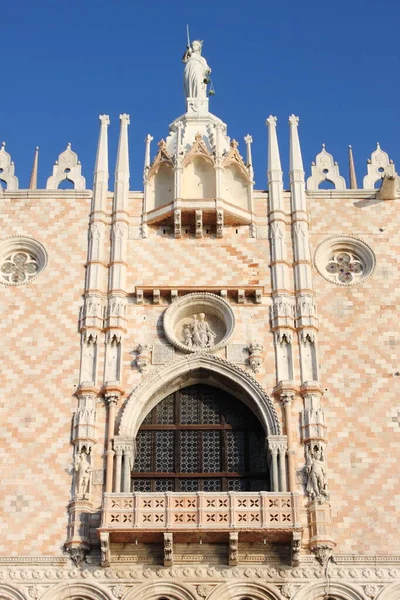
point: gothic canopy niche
(199, 322)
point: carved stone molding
(148, 393)
(199, 322)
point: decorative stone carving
(7, 170)
(168, 549)
(296, 547)
(77, 554)
(233, 549)
(220, 223)
(143, 358)
(378, 166)
(163, 157)
(84, 421)
(199, 223)
(105, 549)
(234, 157)
(316, 487)
(325, 169)
(21, 259)
(313, 418)
(255, 359)
(196, 72)
(323, 553)
(177, 224)
(204, 590)
(67, 167)
(344, 260)
(162, 354)
(199, 322)
(237, 353)
(83, 470)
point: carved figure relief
(199, 322)
(316, 473)
(198, 333)
(82, 471)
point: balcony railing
(171, 511)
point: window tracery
(200, 439)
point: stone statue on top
(196, 75)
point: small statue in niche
(316, 474)
(199, 333)
(82, 470)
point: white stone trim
(8, 592)
(198, 302)
(345, 243)
(74, 589)
(25, 244)
(337, 590)
(187, 371)
(232, 589)
(161, 589)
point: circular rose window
(200, 322)
(21, 260)
(344, 260)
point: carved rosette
(199, 322)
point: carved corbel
(168, 549)
(220, 223)
(199, 223)
(296, 547)
(323, 553)
(78, 554)
(177, 224)
(105, 549)
(233, 549)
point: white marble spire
(100, 178)
(34, 172)
(296, 161)
(121, 188)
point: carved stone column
(278, 447)
(111, 399)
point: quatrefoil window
(344, 260)
(19, 267)
(21, 260)
(345, 266)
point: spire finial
(352, 171)
(34, 172)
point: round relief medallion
(21, 260)
(199, 322)
(344, 260)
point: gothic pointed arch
(198, 368)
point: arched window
(200, 438)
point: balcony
(190, 517)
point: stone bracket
(233, 549)
(105, 549)
(168, 549)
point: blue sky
(334, 64)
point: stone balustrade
(202, 511)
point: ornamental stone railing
(201, 511)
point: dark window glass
(200, 439)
